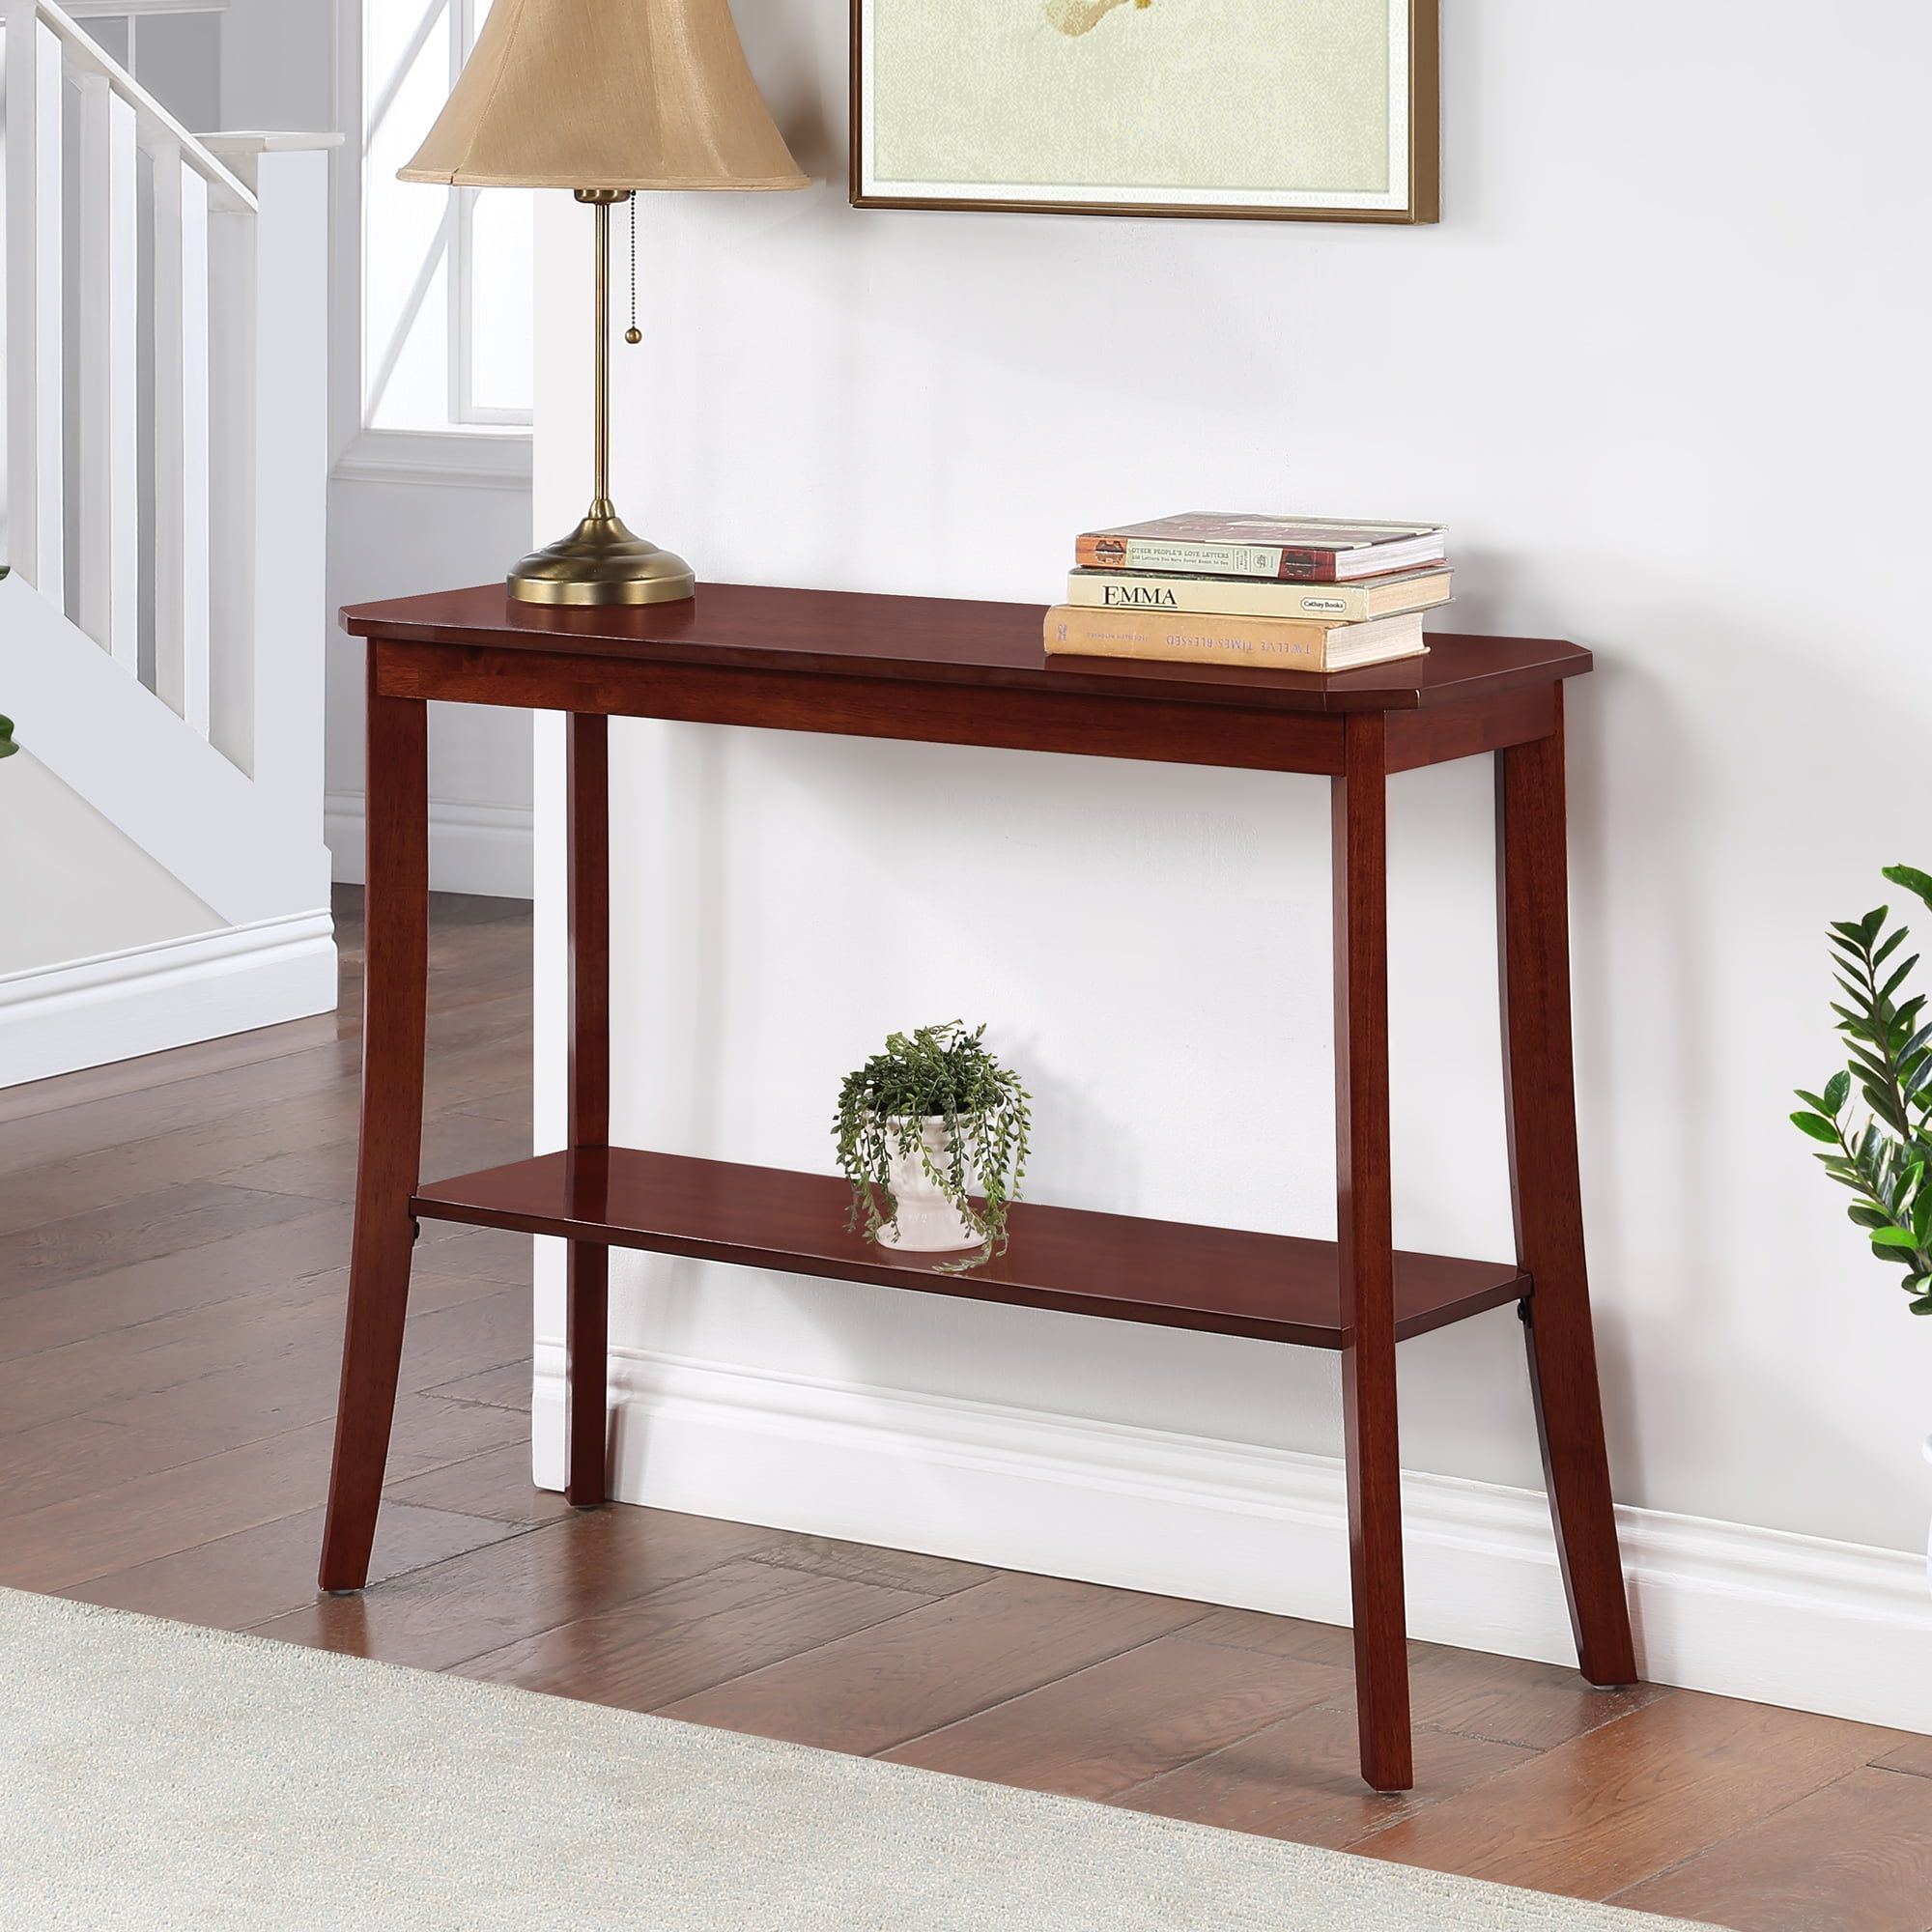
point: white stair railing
(213, 471)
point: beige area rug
(157, 1776)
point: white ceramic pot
(1928, 1538)
(927, 1223)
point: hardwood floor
(173, 1234)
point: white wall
(1659, 369)
(179, 61)
(89, 887)
(275, 64)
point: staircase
(162, 872)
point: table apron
(1184, 733)
(1413, 739)
(1113, 726)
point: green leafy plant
(943, 1071)
(1885, 1160)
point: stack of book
(1280, 593)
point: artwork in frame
(1312, 110)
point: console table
(945, 672)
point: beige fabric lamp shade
(610, 94)
(604, 97)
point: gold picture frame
(892, 80)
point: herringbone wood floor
(173, 1234)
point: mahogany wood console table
(943, 671)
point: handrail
(154, 126)
(82, 10)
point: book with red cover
(1229, 543)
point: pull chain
(634, 334)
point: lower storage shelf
(1275, 1286)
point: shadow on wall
(778, 43)
(1672, 986)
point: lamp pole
(602, 561)
(602, 201)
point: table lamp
(605, 97)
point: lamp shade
(606, 94)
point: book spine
(1273, 643)
(1319, 604)
(1103, 552)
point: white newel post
(273, 443)
(36, 458)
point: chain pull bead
(634, 334)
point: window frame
(495, 455)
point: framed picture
(1295, 110)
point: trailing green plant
(1886, 1159)
(944, 1072)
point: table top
(942, 640)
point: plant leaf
(1837, 1089)
(1912, 879)
(1816, 1126)
(1869, 1065)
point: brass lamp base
(601, 562)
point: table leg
(1540, 1085)
(588, 1292)
(394, 1008)
(1367, 1254)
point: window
(446, 271)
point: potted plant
(7, 745)
(1884, 1158)
(932, 1134)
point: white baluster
(36, 532)
(181, 436)
(234, 402)
(107, 599)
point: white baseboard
(438, 459)
(485, 849)
(119, 1006)
(1757, 1613)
